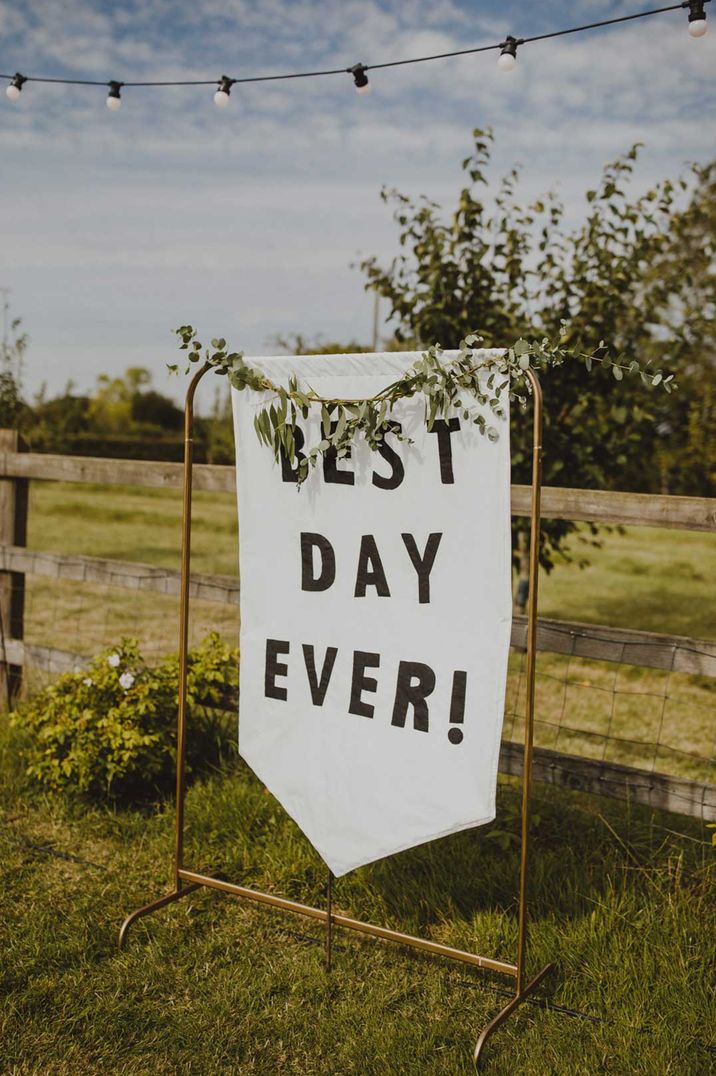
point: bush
(109, 732)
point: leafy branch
(467, 384)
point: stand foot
(504, 1013)
(176, 894)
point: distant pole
(376, 321)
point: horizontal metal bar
(351, 924)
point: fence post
(13, 531)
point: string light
(360, 78)
(697, 18)
(221, 97)
(506, 60)
(13, 90)
(114, 99)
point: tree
(298, 344)
(515, 270)
(12, 351)
(152, 408)
(684, 276)
(111, 404)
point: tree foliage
(12, 352)
(121, 416)
(475, 384)
(637, 273)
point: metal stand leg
(504, 1013)
(524, 989)
(181, 888)
(329, 921)
(177, 894)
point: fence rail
(675, 653)
(574, 639)
(597, 506)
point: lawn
(213, 985)
(622, 899)
(643, 718)
(666, 572)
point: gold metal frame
(186, 881)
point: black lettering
(327, 576)
(275, 668)
(289, 473)
(457, 705)
(409, 694)
(319, 687)
(444, 429)
(360, 682)
(370, 569)
(423, 565)
(331, 472)
(397, 470)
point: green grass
(213, 985)
(646, 578)
(128, 523)
(663, 573)
(123, 523)
(621, 899)
(667, 573)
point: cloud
(117, 226)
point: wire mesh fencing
(620, 699)
(640, 705)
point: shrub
(109, 732)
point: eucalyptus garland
(463, 383)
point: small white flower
(126, 680)
(88, 682)
(113, 660)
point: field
(622, 899)
(644, 718)
(666, 571)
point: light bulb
(221, 97)
(15, 87)
(360, 78)
(508, 54)
(114, 101)
(697, 17)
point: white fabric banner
(375, 619)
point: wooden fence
(644, 649)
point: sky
(247, 222)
